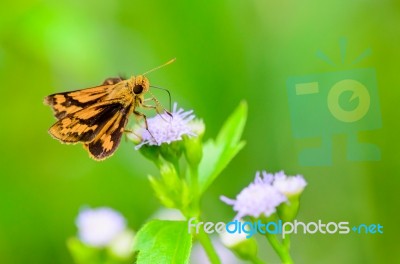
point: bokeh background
(226, 51)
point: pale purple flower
(98, 227)
(289, 185)
(259, 198)
(231, 240)
(265, 194)
(122, 244)
(166, 129)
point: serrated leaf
(217, 154)
(162, 241)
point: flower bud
(244, 248)
(193, 151)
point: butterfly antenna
(156, 68)
(169, 95)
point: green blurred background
(226, 51)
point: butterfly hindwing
(107, 141)
(85, 124)
(113, 80)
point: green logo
(342, 102)
(358, 90)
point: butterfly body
(97, 116)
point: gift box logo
(340, 102)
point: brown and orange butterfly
(97, 116)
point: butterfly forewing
(66, 103)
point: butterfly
(97, 116)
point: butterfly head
(140, 85)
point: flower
(98, 227)
(238, 242)
(289, 185)
(168, 214)
(259, 198)
(267, 194)
(164, 128)
(198, 127)
(122, 244)
(231, 240)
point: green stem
(205, 241)
(194, 206)
(194, 211)
(286, 242)
(195, 186)
(282, 252)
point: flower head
(122, 244)
(289, 185)
(240, 243)
(98, 227)
(231, 240)
(259, 198)
(164, 128)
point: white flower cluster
(265, 194)
(105, 227)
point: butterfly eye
(137, 89)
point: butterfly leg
(141, 115)
(156, 107)
(158, 111)
(130, 131)
(158, 104)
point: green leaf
(163, 242)
(172, 191)
(218, 154)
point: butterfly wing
(113, 80)
(67, 103)
(85, 124)
(107, 141)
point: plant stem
(286, 242)
(194, 211)
(208, 247)
(282, 252)
(194, 207)
(195, 186)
